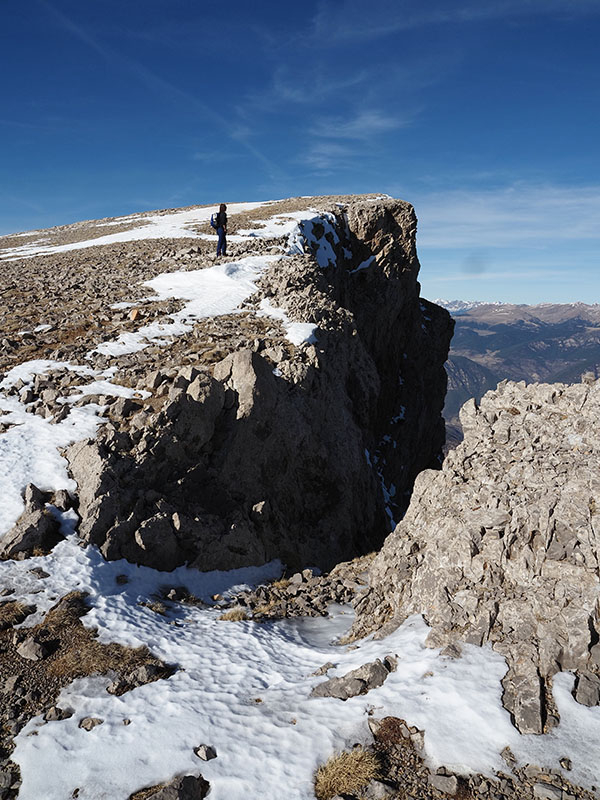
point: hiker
(220, 223)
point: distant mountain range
(540, 343)
(460, 306)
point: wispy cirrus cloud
(349, 20)
(324, 156)
(506, 275)
(300, 87)
(339, 142)
(519, 214)
(159, 85)
(523, 243)
(361, 126)
(15, 123)
(315, 84)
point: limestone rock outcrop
(295, 451)
(503, 544)
(36, 530)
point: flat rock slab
(358, 681)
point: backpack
(213, 220)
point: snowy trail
(209, 292)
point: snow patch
(310, 235)
(297, 333)
(209, 292)
(365, 265)
(171, 225)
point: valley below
(492, 342)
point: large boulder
(503, 544)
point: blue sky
(483, 113)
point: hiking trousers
(222, 245)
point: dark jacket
(221, 219)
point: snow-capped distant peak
(456, 306)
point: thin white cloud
(525, 243)
(297, 88)
(314, 85)
(507, 276)
(15, 123)
(327, 155)
(337, 142)
(361, 126)
(519, 214)
(340, 20)
(13, 200)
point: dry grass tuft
(282, 583)
(13, 613)
(234, 615)
(154, 605)
(80, 653)
(346, 773)
(264, 609)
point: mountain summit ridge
(282, 399)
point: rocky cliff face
(270, 449)
(503, 544)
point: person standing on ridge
(221, 226)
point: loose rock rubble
(357, 681)
(36, 531)
(303, 594)
(502, 545)
(405, 774)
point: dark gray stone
(587, 689)
(206, 752)
(189, 787)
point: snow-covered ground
(244, 688)
(241, 687)
(169, 225)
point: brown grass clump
(80, 653)
(234, 615)
(154, 605)
(264, 609)
(282, 583)
(13, 613)
(346, 773)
